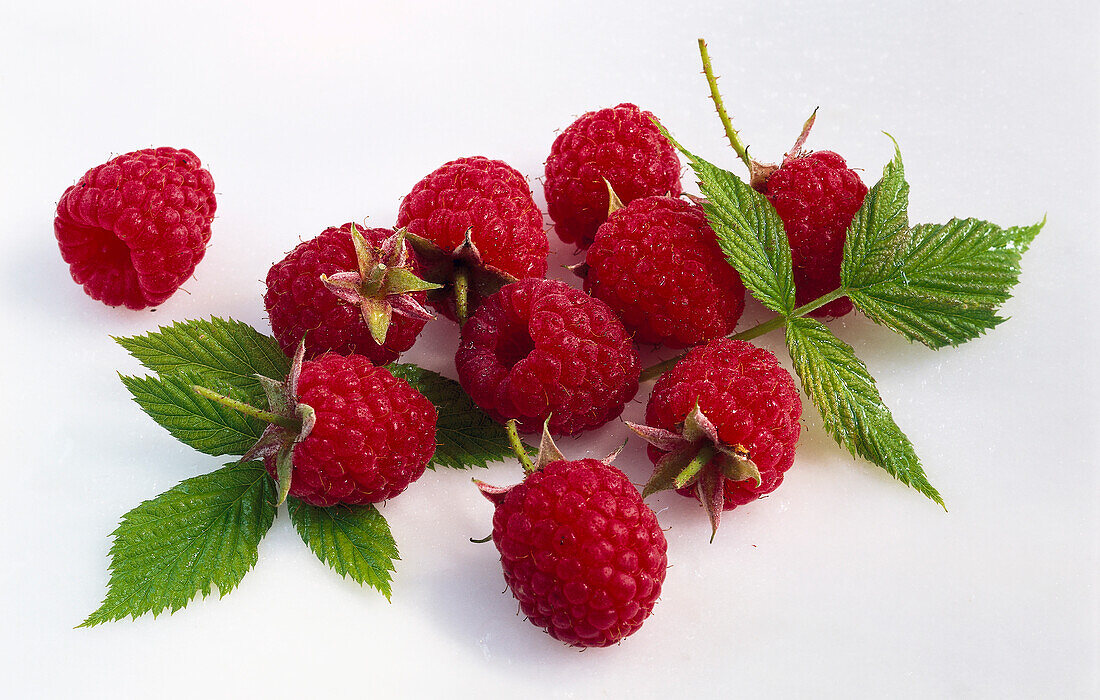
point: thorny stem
(462, 294)
(247, 409)
(731, 133)
(518, 447)
(756, 331)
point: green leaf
(200, 534)
(937, 284)
(194, 420)
(949, 283)
(217, 350)
(851, 408)
(354, 540)
(749, 232)
(465, 435)
(879, 232)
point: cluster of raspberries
(581, 552)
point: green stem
(654, 371)
(701, 459)
(819, 302)
(518, 447)
(248, 410)
(731, 133)
(462, 294)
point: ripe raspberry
(133, 229)
(581, 552)
(621, 145)
(300, 303)
(817, 196)
(538, 349)
(731, 406)
(657, 264)
(492, 202)
(374, 433)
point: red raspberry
(490, 200)
(300, 304)
(621, 145)
(133, 229)
(374, 433)
(817, 195)
(657, 264)
(538, 349)
(748, 418)
(581, 552)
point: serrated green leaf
(354, 540)
(851, 408)
(879, 232)
(465, 435)
(194, 420)
(200, 534)
(936, 284)
(217, 350)
(949, 283)
(749, 232)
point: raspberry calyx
(460, 278)
(383, 284)
(696, 456)
(289, 421)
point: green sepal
(377, 314)
(668, 468)
(399, 280)
(738, 468)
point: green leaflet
(195, 421)
(465, 435)
(749, 232)
(937, 284)
(851, 408)
(950, 282)
(200, 534)
(354, 540)
(879, 231)
(217, 350)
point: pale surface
(843, 583)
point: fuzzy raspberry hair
(581, 552)
(133, 229)
(374, 433)
(540, 348)
(816, 195)
(657, 264)
(750, 399)
(620, 144)
(298, 303)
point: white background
(843, 583)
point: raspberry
(538, 349)
(374, 433)
(581, 552)
(657, 264)
(817, 196)
(133, 229)
(621, 145)
(300, 304)
(490, 201)
(732, 407)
